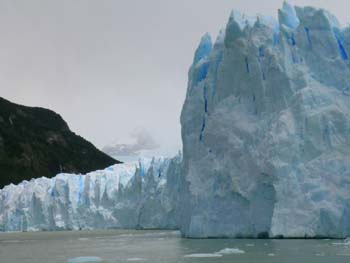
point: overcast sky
(111, 67)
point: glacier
(266, 145)
(133, 195)
(266, 129)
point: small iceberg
(203, 255)
(222, 252)
(228, 251)
(84, 259)
(135, 259)
(346, 242)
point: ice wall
(266, 129)
(266, 145)
(122, 196)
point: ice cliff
(121, 196)
(266, 145)
(266, 129)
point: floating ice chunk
(338, 243)
(11, 241)
(271, 254)
(135, 259)
(203, 255)
(228, 251)
(346, 242)
(320, 254)
(84, 259)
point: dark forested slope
(36, 142)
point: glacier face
(266, 145)
(266, 129)
(121, 196)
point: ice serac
(266, 129)
(122, 196)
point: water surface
(161, 247)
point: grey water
(161, 247)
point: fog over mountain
(139, 141)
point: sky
(115, 68)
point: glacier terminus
(266, 129)
(266, 145)
(130, 196)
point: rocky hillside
(36, 142)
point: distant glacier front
(266, 145)
(130, 196)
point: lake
(161, 247)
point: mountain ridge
(36, 142)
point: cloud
(141, 140)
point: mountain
(36, 142)
(266, 129)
